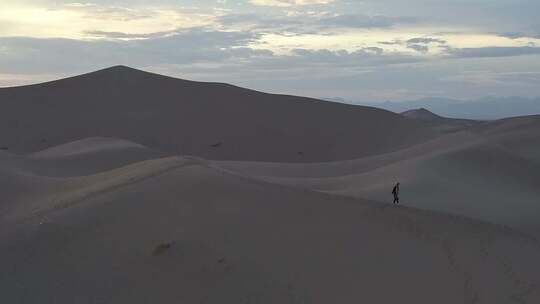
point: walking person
(395, 192)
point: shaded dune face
(182, 229)
(210, 120)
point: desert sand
(183, 192)
(489, 172)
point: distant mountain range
(487, 108)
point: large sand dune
(211, 120)
(175, 229)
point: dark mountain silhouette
(187, 117)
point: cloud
(364, 21)
(418, 47)
(289, 3)
(425, 40)
(122, 35)
(375, 50)
(368, 57)
(418, 44)
(487, 78)
(422, 44)
(116, 13)
(308, 23)
(73, 20)
(518, 35)
(483, 52)
(394, 42)
(253, 21)
(38, 55)
(199, 49)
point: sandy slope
(228, 238)
(210, 120)
(83, 157)
(519, 135)
(84, 147)
(30, 180)
(490, 172)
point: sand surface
(179, 229)
(489, 172)
(110, 209)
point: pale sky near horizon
(372, 50)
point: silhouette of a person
(395, 192)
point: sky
(361, 51)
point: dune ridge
(85, 146)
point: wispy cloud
(290, 3)
(484, 52)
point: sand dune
(478, 173)
(83, 157)
(210, 120)
(176, 229)
(121, 186)
(85, 146)
(482, 182)
(519, 135)
(77, 168)
(440, 123)
(423, 114)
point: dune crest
(84, 146)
